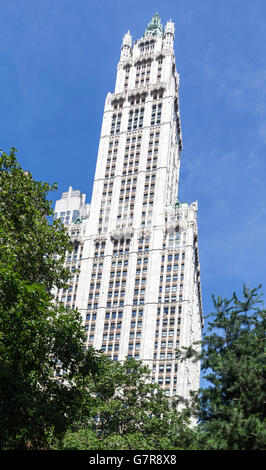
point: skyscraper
(136, 245)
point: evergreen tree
(231, 408)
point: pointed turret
(169, 34)
(127, 39)
(126, 46)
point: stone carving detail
(120, 233)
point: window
(156, 114)
(135, 119)
(75, 215)
(116, 122)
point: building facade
(135, 262)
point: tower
(135, 263)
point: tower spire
(155, 26)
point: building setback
(135, 262)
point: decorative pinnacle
(170, 27)
(155, 26)
(127, 39)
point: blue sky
(58, 61)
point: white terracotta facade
(135, 246)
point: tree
(35, 332)
(124, 410)
(231, 408)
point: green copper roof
(155, 27)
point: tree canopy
(35, 332)
(123, 409)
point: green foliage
(27, 241)
(231, 408)
(124, 410)
(35, 333)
